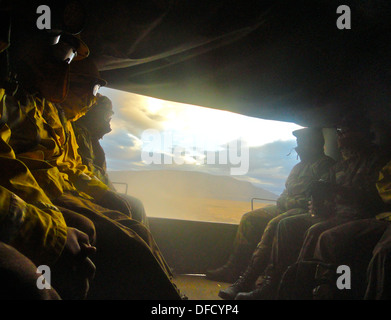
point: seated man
(32, 233)
(32, 230)
(89, 129)
(352, 184)
(44, 141)
(357, 244)
(313, 166)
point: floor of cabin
(197, 287)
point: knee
(134, 202)
(251, 215)
(315, 232)
(89, 229)
(325, 241)
(136, 206)
(276, 221)
(18, 277)
(245, 217)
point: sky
(153, 134)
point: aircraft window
(195, 163)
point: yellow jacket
(384, 183)
(45, 142)
(384, 188)
(28, 220)
(79, 174)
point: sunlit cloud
(269, 142)
(217, 125)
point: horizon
(192, 172)
(196, 196)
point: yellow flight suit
(28, 220)
(48, 147)
(45, 142)
(383, 186)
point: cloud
(268, 164)
(272, 163)
(130, 112)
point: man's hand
(78, 244)
(74, 269)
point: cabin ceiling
(280, 60)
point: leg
(137, 209)
(251, 228)
(259, 260)
(18, 277)
(283, 248)
(290, 236)
(268, 247)
(350, 241)
(128, 263)
(349, 244)
(378, 275)
(312, 235)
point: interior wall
(193, 246)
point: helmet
(309, 137)
(355, 123)
(87, 70)
(67, 19)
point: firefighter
(89, 129)
(351, 195)
(43, 141)
(261, 223)
(32, 230)
(360, 244)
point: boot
(266, 291)
(227, 273)
(236, 264)
(246, 282)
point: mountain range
(190, 195)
